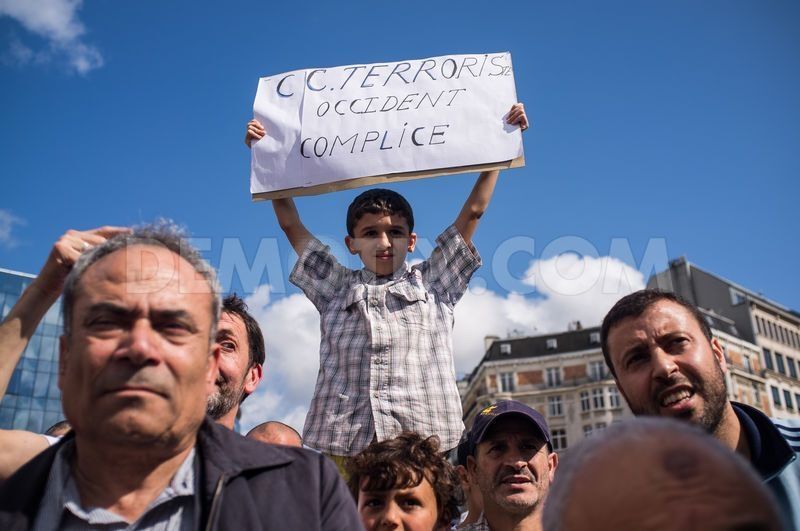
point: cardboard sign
(337, 128)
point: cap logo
(488, 409)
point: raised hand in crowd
(17, 446)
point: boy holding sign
(386, 360)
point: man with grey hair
(137, 360)
(242, 351)
(660, 475)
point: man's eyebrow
(172, 315)
(111, 308)
(225, 334)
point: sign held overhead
(336, 128)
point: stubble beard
(224, 400)
(714, 395)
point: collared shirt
(480, 525)
(386, 353)
(61, 509)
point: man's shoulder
(232, 451)
(790, 430)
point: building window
(587, 431)
(759, 325)
(597, 370)
(505, 348)
(553, 376)
(559, 439)
(768, 360)
(748, 365)
(797, 399)
(779, 363)
(792, 367)
(613, 397)
(737, 297)
(585, 404)
(757, 395)
(787, 399)
(554, 408)
(600, 426)
(598, 399)
(552, 343)
(594, 338)
(506, 382)
(776, 395)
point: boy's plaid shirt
(386, 353)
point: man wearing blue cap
(512, 461)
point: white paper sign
(327, 125)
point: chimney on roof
(574, 325)
(487, 342)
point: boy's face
(410, 509)
(382, 242)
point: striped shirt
(386, 353)
(61, 509)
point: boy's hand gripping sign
(336, 128)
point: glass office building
(32, 401)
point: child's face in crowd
(412, 509)
(382, 242)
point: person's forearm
(476, 204)
(290, 223)
(18, 327)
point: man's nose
(142, 342)
(664, 365)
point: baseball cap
(489, 414)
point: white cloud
(569, 288)
(291, 332)
(7, 222)
(57, 22)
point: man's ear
(472, 467)
(63, 355)
(351, 244)
(719, 354)
(252, 378)
(552, 464)
(412, 242)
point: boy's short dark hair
(634, 305)
(403, 462)
(378, 201)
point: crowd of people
(154, 366)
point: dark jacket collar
(769, 451)
(224, 452)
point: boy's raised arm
(478, 200)
(285, 209)
(289, 220)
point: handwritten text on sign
(332, 124)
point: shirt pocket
(407, 304)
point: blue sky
(670, 124)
